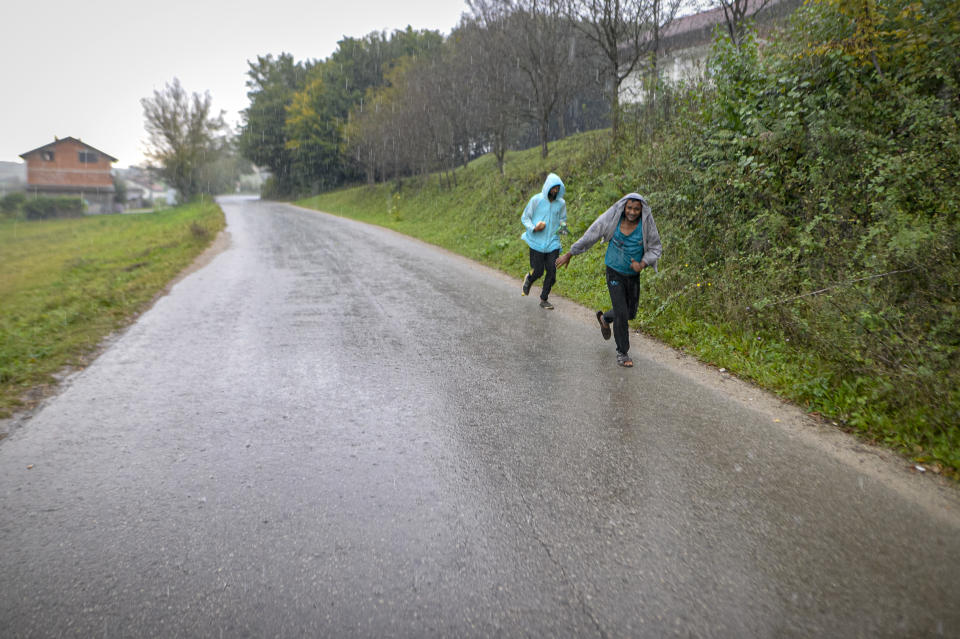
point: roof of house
(700, 25)
(711, 18)
(694, 22)
(68, 139)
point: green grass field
(65, 284)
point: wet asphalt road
(332, 430)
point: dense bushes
(44, 208)
(10, 204)
(820, 195)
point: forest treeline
(513, 74)
(807, 195)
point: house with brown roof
(70, 167)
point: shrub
(44, 208)
(815, 199)
(11, 203)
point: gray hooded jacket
(605, 226)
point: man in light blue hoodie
(544, 217)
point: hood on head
(622, 202)
(553, 180)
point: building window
(88, 157)
(47, 156)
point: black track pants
(540, 262)
(624, 296)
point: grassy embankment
(68, 283)
(686, 304)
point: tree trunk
(615, 111)
(500, 148)
(544, 128)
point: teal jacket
(606, 225)
(553, 214)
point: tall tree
(223, 175)
(736, 14)
(263, 137)
(493, 90)
(626, 32)
(183, 136)
(296, 121)
(537, 37)
(313, 138)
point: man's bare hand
(540, 226)
(563, 260)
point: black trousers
(624, 296)
(540, 262)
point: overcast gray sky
(79, 69)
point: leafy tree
(296, 121)
(263, 136)
(477, 52)
(11, 203)
(392, 130)
(224, 173)
(624, 31)
(540, 42)
(361, 63)
(313, 137)
(736, 14)
(183, 136)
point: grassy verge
(695, 303)
(67, 283)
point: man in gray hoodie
(633, 245)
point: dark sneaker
(604, 326)
(527, 283)
(547, 305)
(624, 360)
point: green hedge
(45, 208)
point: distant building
(69, 167)
(144, 182)
(686, 43)
(137, 196)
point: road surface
(334, 430)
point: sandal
(604, 326)
(624, 360)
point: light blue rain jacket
(552, 213)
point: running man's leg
(633, 295)
(537, 264)
(619, 314)
(551, 267)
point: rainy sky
(80, 69)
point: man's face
(552, 194)
(632, 210)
